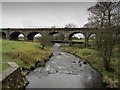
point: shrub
(45, 41)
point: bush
(45, 41)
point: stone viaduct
(29, 33)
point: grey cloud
(17, 14)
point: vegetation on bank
(104, 16)
(45, 41)
(81, 40)
(92, 56)
(25, 54)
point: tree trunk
(106, 64)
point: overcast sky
(34, 14)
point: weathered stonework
(12, 77)
(29, 33)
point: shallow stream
(64, 70)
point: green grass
(25, 54)
(78, 40)
(92, 56)
(21, 38)
(3, 66)
(90, 42)
(81, 40)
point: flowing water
(64, 70)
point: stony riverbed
(64, 70)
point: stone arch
(30, 36)
(15, 35)
(92, 34)
(91, 38)
(37, 37)
(3, 35)
(57, 35)
(75, 33)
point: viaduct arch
(3, 35)
(29, 33)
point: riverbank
(90, 55)
(12, 77)
(25, 54)
(28, 55)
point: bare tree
(103, 14)
(70, 25)
(90, 25)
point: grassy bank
(25, 54)
(91, 55)
(3, 66)
(82, 40)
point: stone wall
(13, 77)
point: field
(78, 40)
(82, 40)
(25, 54)
(92, 56)
(90, 41)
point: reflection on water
(64, 71)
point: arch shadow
(15, 35)
(3, 35)
(30, 36)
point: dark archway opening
(3, 35)
(33, 36)
(16, 36)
